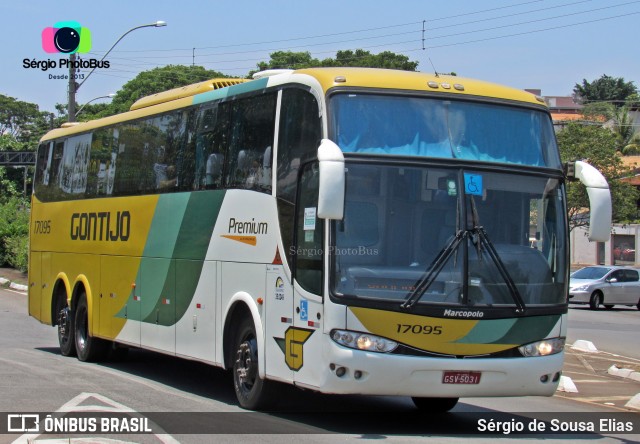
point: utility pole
(71, 107)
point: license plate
(461, 377)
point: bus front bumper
(359, 372)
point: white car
(605, 285)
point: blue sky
(544, 44)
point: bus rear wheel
(434, 405)
(66, 330)
(88, 348)
(253, 393)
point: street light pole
(110, 96)
(74, 87)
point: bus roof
(415, 81)
(328, 78)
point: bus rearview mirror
(599, 201)
(332, 181)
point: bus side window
(299, 137)
(251, 139)
(101, 146)
(309, 232)
(210, 146)
(41, 181)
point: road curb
(634, 403)
(567, 385)
(614, 370)
(18, 287)
(13, 285)
(585, 346)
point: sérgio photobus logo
(65, 38)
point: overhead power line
(145, 62)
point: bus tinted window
(298, 141)
(418, 126)
(251, 141)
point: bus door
(279, 323)
(308, 272)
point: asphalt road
(615, 331)
(34, 377)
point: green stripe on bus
(234, 90)
(510, 331)
(190, 249)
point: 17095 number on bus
(418, 329)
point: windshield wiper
(479, 238)
(483, 239)
(434, 269)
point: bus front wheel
(88, 348)
(434, 405)
(253, 393)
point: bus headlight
(543, 348)
(363, 341)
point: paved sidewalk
(589, 373)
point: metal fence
(17, 158)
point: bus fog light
(543, 348)
(544, 378)
(363, 341)
(340, 372)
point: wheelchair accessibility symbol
(473, 184)
(304, 310)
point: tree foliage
(147, 83)
(357, 58)
(14, 232)
(611, 89)
(21, 124)
(598, 146)
(619, 119)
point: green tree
(357, 58)
(619, 119)
(605, 89)
(22, 122)
(14, 232)
(362, 58)
(154, 81)
(288, 60)
(598, 146)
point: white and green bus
(348, 231)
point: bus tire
(252, 392)
(88, 348)
(434, 405)
(66, 330)
(595, 300)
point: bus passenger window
(252, 130)
(210, 146)
(310, 230)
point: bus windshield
(400, 221)
(431, 127)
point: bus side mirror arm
(332, 181)
(599, 198)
